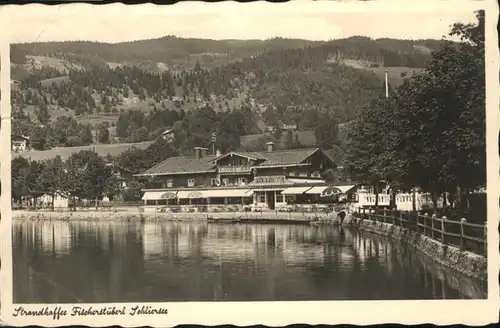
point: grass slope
(101, 149)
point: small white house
(60, 201)
(20, 143)
(168, 135)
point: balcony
(231, 170)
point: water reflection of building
(52, 237)
(291, 244)
(172, 239)
(55, 237)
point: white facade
(19, 145)
(404, 201)
(59, 201)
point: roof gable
(248, 155)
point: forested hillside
(78, 93)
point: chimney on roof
(218, 153)
(198, 152)
(204, 152)
(270, 146)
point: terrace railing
(460, 233)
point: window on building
(225, 181)
(191, 183)
(170, 183)
(242, 181)
(279, 197)
(261, 197)
(213, 182)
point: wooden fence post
(401, 219)
(416, 221)
(432, 225)
(462, 221)
(442, 229)
(384, 214)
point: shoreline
(464, 262)
(214, 217)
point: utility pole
(386, 85)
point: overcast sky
(322, 20)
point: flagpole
(214, 139)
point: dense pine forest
(79, 93)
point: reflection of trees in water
(92, 269)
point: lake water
(69, 262)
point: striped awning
(296, 190)
(227, 193)
(345, 189)
(190, 194)
(157, 195)
(318, 190)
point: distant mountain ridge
(312, 84)
(173, 50)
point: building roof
(190, 164)
(20, 137)
(167, 131)
(183, 165)
(275, 158)
(282, 157)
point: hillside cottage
(168, 135)
(20, 143)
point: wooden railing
(460, 233)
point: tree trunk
(96, 203)
(458, 197)
(414, 200)
(445, 203)
(52, 205)
(451, 199)
(74, 204)
(467, 200)
(392, 202)
(434, 201)
(375, 190)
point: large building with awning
(264, 180)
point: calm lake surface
(68, 262)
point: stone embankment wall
(467, 263)
(133, 214)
